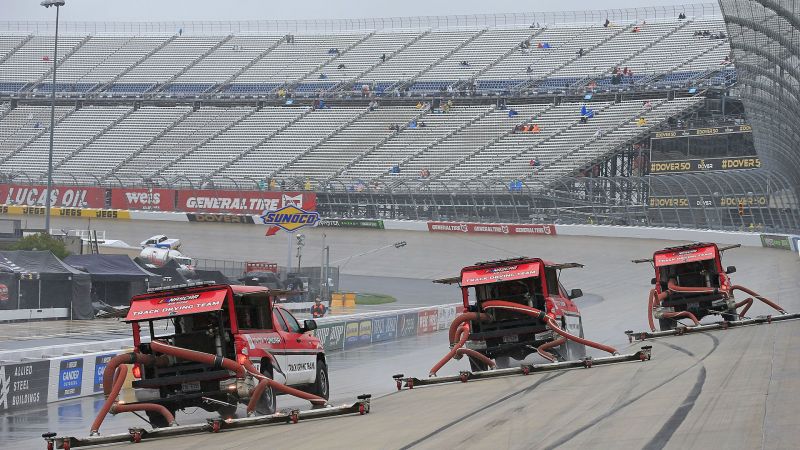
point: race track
(722, 389)
(735, 389)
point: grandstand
(430, 105)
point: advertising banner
(493, 228)
(331, 335)
(66, 196)
(70, 378)
(708, 131)
(23, 386)
(445, 317)
(242, 202)
(219, 218)
(100, 363)
(364, 332)
(708, 201)
(407, 325)
(143, 199)
(351, 223)
(384, 329)
(427, 321)
(776, 241)
(351, 335)
(704, 165)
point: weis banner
(243, 202)
(64, 196)
(143, 199)
(492, 228)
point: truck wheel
(266, 404)
(322, 384)
(157, 420)
(476, 365)
(502, 362)
(667, 324)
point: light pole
(58, 4)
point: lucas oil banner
(61, 196)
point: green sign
(331, 335)
(776, 241)
(351, 223)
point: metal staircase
(91, 140)
(127, 70)
(316, 145)
(147, 144)
(430, 66)
(260, 142)
(193, 63)
(495, 140)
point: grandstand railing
(624, 15)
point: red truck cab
(697, 266)
(231, 321)
(528, 281)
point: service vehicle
(531, 282)
(691, 283)
(236, 322)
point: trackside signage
(23, 386)
(492, 228)
(290, 218)
(61, 196)
(243, 202)
(143, 199)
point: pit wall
(35, 377)
(676, 234)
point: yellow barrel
(350, 300)
(337, 300)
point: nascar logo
(182, 298)
(290, 218)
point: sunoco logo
(291, 218)
(182, 298)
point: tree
(42, 241)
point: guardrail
(41, 375)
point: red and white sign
(143, 199)
(428, 322)
(493, 228)
(503, 273)
(685, 256)
(61, 196)
(176, 305)
(243, 202)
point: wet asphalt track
(732, 389)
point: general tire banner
(709, 131)
(143, 199)
(70, 378)
(351, 223)
(709, 201)
(219, 218)
(66, 196)
(384, 329)
(331, 335)
(242, 202)
(704, 165)
(23, 386)
(492, 228)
